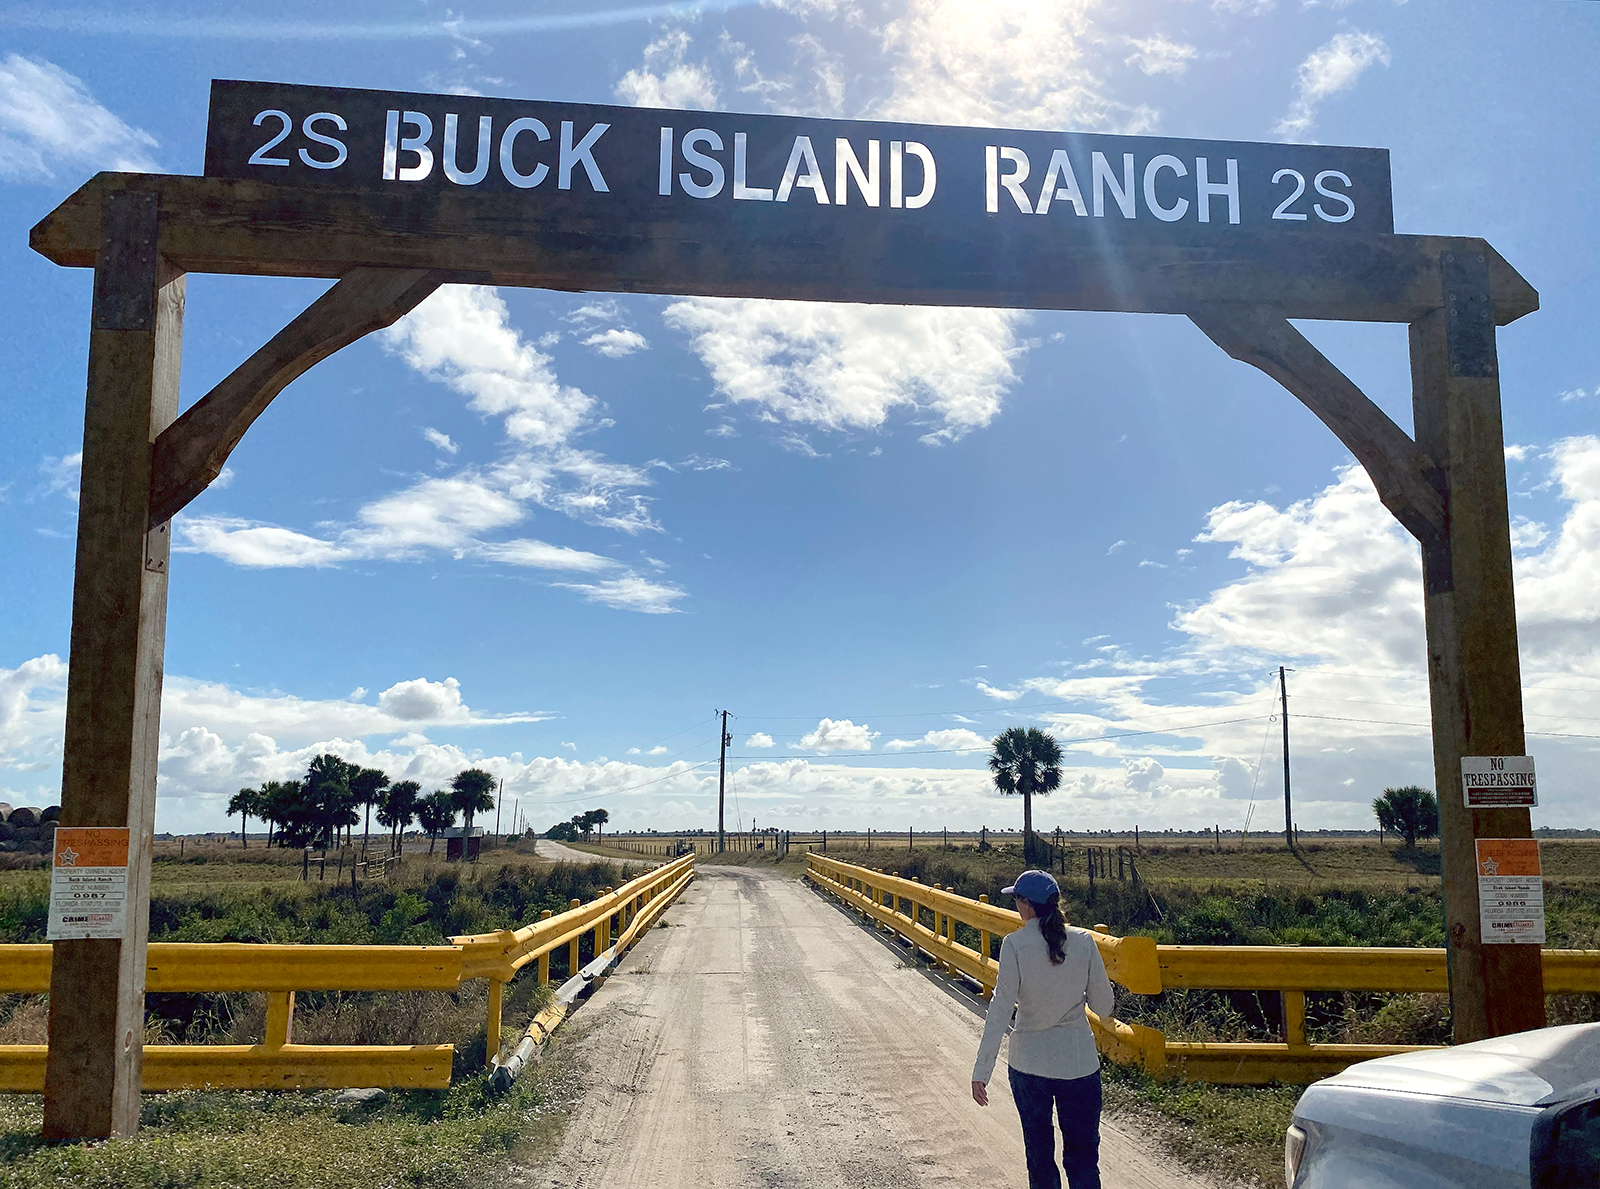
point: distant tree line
(581, 825)
(335, 796)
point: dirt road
(557, 852)
(765, 1039)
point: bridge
(768, 1038)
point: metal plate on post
(1469, 313)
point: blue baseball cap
(1034, 886)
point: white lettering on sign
(1143, 190)
(1498, 782)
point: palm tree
(436, 813)
(328, 785)
(245, 802)
(1410, 811)
(366, 787)
(1025, 760)
(399, 809)
(281, 803)
(472, 793)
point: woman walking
(1048, 973)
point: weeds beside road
(231, 1139)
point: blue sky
(548, 533)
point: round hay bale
(27, 815)
(52, 813)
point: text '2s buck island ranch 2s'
(885, 188)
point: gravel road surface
(766, 1039)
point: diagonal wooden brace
(191, 452)
(1406, 478)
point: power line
(629, 788)
(991, 709)
(894, 755)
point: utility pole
(1288, 816)
(499, 797)
(722, 779)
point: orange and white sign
(1510, 891)
(88, 883)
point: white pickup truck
(1516, 1112)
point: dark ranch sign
(924, 208)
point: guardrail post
(491, 1040)
(280, 1020)
(544, 958)
(1294, 1017)
(574, 961)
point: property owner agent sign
(949, 201)
(88, 883)
(1510, 891)
(1498, 782)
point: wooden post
(119, 623)
(1474, 675)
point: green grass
(1234, 1132)
(206, 1139)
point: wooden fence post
(1474, 672)
(119, 623)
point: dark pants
(1077, 1104)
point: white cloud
(441, 440)
(667, 78)
(1000, 695)
(616, 342)
(843, 735)
(1143, 774)
(1157, 55)
(252, 544)
(759, 739)
(631, 593)
(462, 336)
(63, 476)
(950, 739)
(847, 367)
(1333, 67)
(1573, 394)
(1029, 66)
(50, 121)
(543, 556)
(421, 700)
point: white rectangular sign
(1510, 891)
(1498, 782)
(88, 883)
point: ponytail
(1053, 927)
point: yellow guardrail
(281, 970)
(1145, 968)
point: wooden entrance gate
(371, 189)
